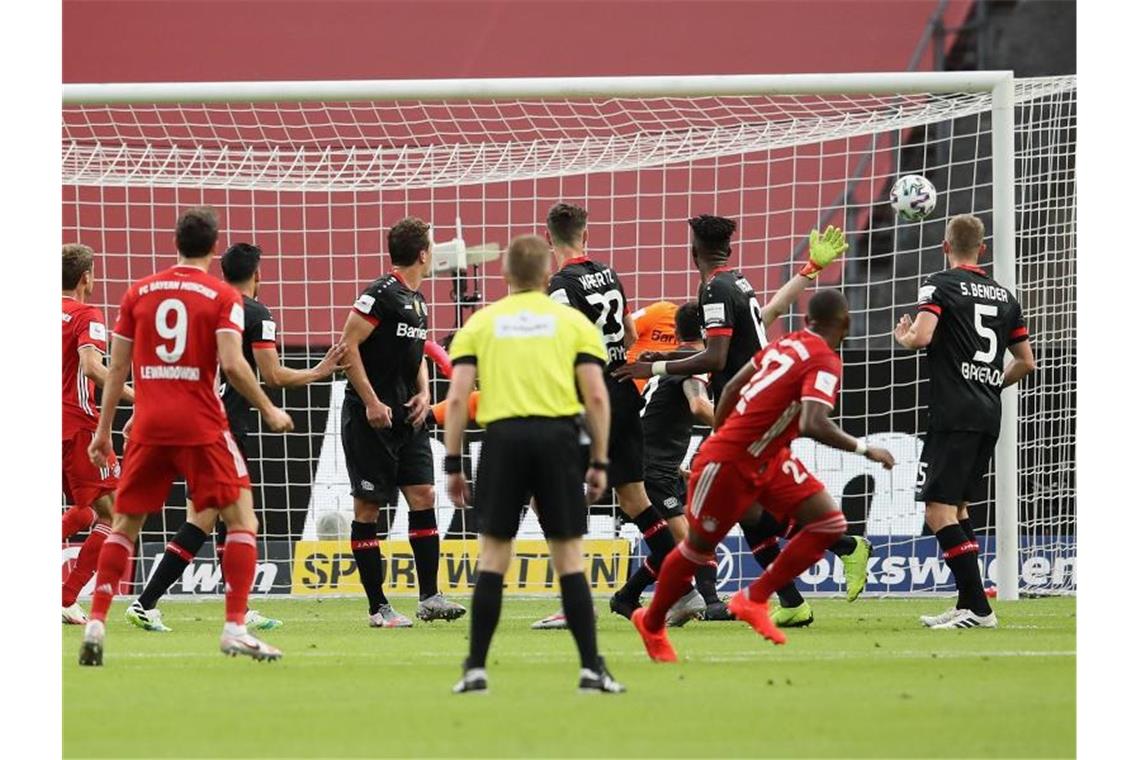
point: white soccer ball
(913, 197)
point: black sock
(968, 527)
(705, 576)
(761, 538)
(657, 535)
(578, 606)
(641, 579)
(181, 549)
(220, 549)
(961, 555)
(369, 563)
(423, 535)
(486, 604)
(843, 546)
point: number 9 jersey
(172, 318)
(729, 308)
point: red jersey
(83, 330)
(173, 318)
(766, 419)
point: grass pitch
(865, 680)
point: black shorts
(380, 460)
(525, 457)
(627, 445)
(666, 493)
(953, 466)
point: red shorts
(722, 489)
(83, 482)
(215, 473)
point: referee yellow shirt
(526, 347)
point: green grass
(864, 681)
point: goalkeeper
(735, 330)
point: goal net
(315, 181)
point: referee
(533, 357)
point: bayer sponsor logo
(725, 565)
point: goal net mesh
(316, 185)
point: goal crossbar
(532, 87)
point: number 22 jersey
(173, 319)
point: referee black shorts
(627, 445)
(666, 492)
(953, 466)
(381, 460)
(525, 457)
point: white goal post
(311, 165)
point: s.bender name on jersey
(984, 290)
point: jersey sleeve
(931, 297)
(231, 313)
(588, 342)
(125, 324)
(822, 380)
(90, 331)
(261, 326)
(716, 308)
(464, 346)
(368, 305)
(1018, 330)
(561, 289)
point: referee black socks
(369, 563)
(181, 549)
(486, 605)
(423, 535)
(961, 555)
(578, 607)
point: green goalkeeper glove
(822, 250)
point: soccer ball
(913, 197)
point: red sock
(77, 519)
(113, 559)
(803, 551)
(85, 563)
(674, 580)
(238, 566)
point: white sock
(233, 629)
(94, 630)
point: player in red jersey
(174, 329)
(785, 391)
(89, 489)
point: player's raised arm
(240, 375)
(356, 330)
(917, 333)
(822, 251)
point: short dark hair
(240, 261)
(566, 222)
(827, 307)
(406, 239)
(77, 261)
(711, 235)
(688, 322)
(197, 232)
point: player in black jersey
(673, 404)
(241, 267)
(595, 290)
(386, 445)
(965, 321)
(735, 329)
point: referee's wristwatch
(597, 464)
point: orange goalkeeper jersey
(656, 331)
(439, 411)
